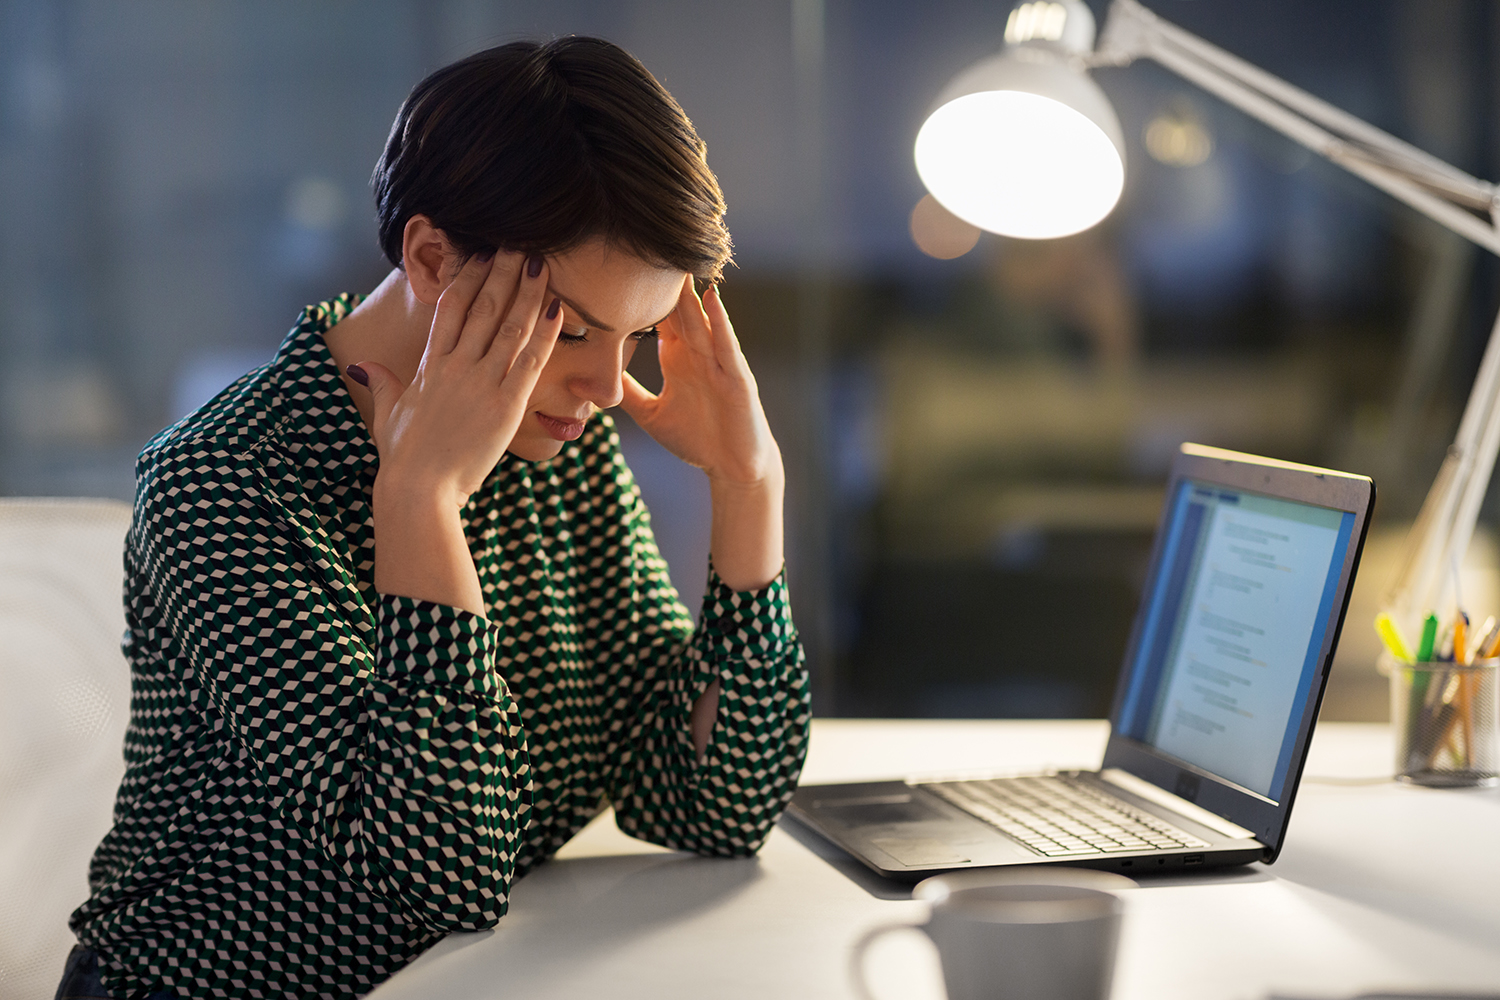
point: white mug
(1017, 941)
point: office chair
(64, 705)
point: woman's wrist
(764, 471)
(399, 488)
(771, 486)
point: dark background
(975, 446)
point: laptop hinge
(1176, 803)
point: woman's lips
(563, 430)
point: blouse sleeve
(727, 803)
(383, 735)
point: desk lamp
(1025, 144)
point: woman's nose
(600, 382)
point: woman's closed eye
(580, 335)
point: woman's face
(611, 301)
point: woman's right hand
(489, 341)
(440, 436)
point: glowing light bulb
(1020, 164)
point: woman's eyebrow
(582, 312)
(591, 321)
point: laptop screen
(1240, 605)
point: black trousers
(80, 979)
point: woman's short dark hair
(537, 148)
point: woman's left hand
(708, 412)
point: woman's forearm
(746, 539)
(420, 549)
(746, 546)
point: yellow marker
(1461, 639)
(1391, 636)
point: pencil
(1466, 714)
(1492, 647)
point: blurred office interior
(976, 432)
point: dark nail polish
(358, 374)
(553, 309)
(533, 265)
(485, 256)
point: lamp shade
(1023, 144)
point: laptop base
(906, 832)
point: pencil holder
(1447, 722)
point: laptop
(1214, 708)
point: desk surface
(1381, 888)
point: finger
(671, 327)
(520, 320)
(637, 400)
(726, 344)
(691, 321)
(453, 304)
(521, 375)
(382, 385)
(490, 307)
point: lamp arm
(1133, 31)
(1440, 191)
(1436, 189)
(1393, 180)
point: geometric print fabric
(322, 781)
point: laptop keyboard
(1059, 817)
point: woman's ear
(425, 255)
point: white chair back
(64, 705)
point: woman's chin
(535, 449)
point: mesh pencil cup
(1447, 722)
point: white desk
(1381, 888)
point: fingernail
(358, 374)
(552, 310)
(533, 265)
(484, 256)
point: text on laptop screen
(1235, 624)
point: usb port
(1193, 859)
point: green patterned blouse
(322, 781)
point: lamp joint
(1129, 30)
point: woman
(397, 624)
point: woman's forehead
(612, 288)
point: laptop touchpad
(877, 810)
(918, 851)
